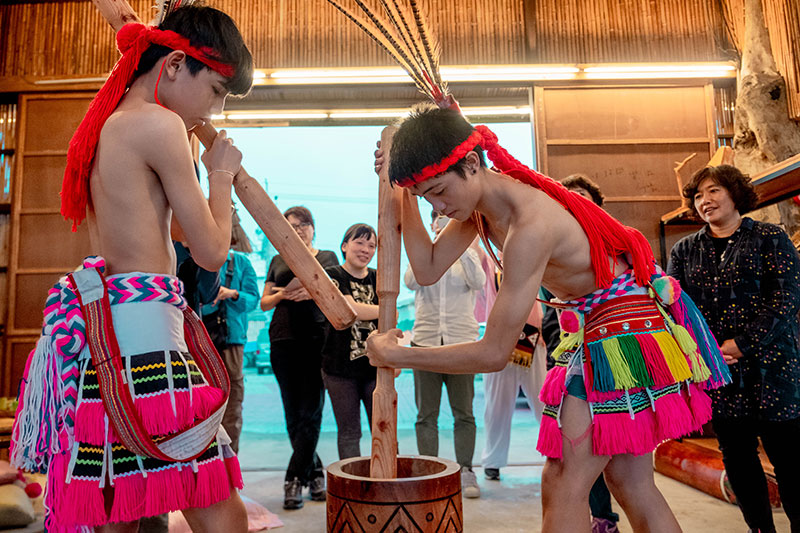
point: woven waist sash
(92, 291)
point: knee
(553, 480)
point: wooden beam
(778, 182)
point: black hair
(425, 137)
(582, 181)
(356, 231)
(206, 27)
(300, 212)
(738, 185)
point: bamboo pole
(266, 214)
(384, 399)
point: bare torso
(569, 272)
(129, 215)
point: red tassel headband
(434, 169)
(132, 41)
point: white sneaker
(469, 483)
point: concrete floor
(513, 504)
(510, 505)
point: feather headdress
(165, 7)
(400, 28)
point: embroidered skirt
(84, 458)
(642, 357)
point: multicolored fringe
(643, 369)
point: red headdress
(132, 41)
(608, 238)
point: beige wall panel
(50, 123)
(639, 215)
(43, 176)
(626, 113)
(627, 170)
(31, 292)
(48, 242)
(14, 357)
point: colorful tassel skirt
(642, 358)
(92, 479)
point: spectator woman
(348, 376)
(296, 335)
(744, 276)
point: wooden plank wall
(42, 246)
(627, 140)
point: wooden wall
(608, 31)
(627, 140)
(42, 246)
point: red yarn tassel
(607, 236)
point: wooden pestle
(384, 399)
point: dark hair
(738, 185)
(425, 137)
(582, 181)
(206, 27)
(300, 212)
(356, 231)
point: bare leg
(566, 483)
(228, 515)
(630, 479)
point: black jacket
(753, 297)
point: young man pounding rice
(629, 374)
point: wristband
(232, 174)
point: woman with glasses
(296, 335)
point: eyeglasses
(302, 225)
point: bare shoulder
(146, 126)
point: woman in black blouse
(296, 335)
(744, 276)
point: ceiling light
(277, 116)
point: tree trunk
(764, 133)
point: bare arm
(363, 311)
(430, 260)
(522, 277)
(206, 225)
(271, 297)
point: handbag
(216, 323)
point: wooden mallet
(266, 214)
(384, 399)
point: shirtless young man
(436, 154)
(140, 176)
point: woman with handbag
(296, 335)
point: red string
(132, 40)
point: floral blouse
(750, 294)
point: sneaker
(317, 488)
(492, 474)
(469, 483)
(602, 525)
(292, 494)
